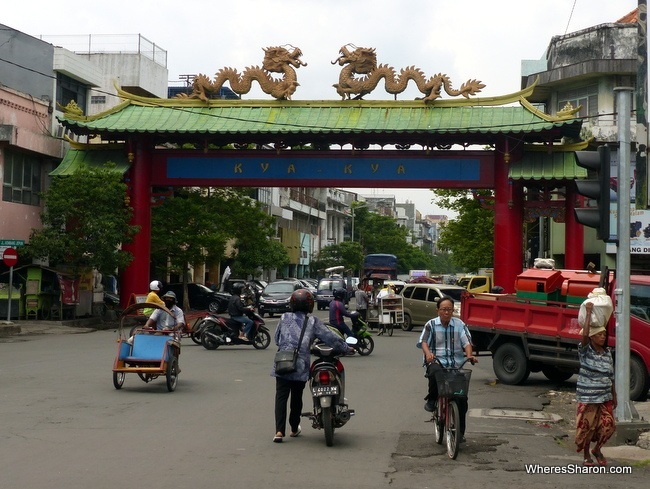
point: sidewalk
(618, 448)
(72, 326)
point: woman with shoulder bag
(297, 330)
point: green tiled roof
(540, 165)
(470, 121)
(74, 158)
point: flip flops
(599, 457)
(296, 433)
(588, 463)
(277, 438)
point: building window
(587, 97)
(68, 89)
(97, 99)
(22, 178)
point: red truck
(536, 329)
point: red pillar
(508, 223)
(135, 278)
(574, 233)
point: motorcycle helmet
(302, 301)
(237, 288)
(340, 294)
(155, 285)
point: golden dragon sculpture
(363, 61)
(277, 59)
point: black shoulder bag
(286, 360)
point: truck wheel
(555, 374)
(510, 364)
(638, 380)
(407, 325)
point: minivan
(325, 291)
(421, 302)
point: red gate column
(574, 233)
(508, 223)
(135, 278)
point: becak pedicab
(145, 351)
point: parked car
(325, 291)
(276, 295)
(200, 296)
(421, 302)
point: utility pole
(622, 291)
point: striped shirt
(596, 375)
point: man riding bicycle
(447, 339)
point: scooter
(216, 331)
(365, 344)
(327, 385)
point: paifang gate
(423, 137)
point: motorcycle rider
(161, 320)
(237, 311)
(287, 335)
(338, 312)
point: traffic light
(596, 187)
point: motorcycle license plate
(325, 390)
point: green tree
(194, 226)
(348, 254)
(469, 238)
(85, 221)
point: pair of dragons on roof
(355, 61)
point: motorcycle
(365, 344)
(327, 385)
(216, 331)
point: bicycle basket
(453, 383)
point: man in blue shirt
(447, 339)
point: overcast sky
(472, 39)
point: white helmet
(155, 285)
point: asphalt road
(65, 426)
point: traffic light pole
(624, 409)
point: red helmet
(302, 300)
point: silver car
(421, 302)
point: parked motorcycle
(216, 331)
(327, 385)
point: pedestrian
(361, 296)
(287, 337)
(595, 392)
(445, 338)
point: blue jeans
(246, 321)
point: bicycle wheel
(439, 422)
(453, 430)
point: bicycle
(453, 384)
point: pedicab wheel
(262, 340)
(328, 426)
(118, 379)
(453, 430)
(365, 346)
(172, 374)
(438, 425)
